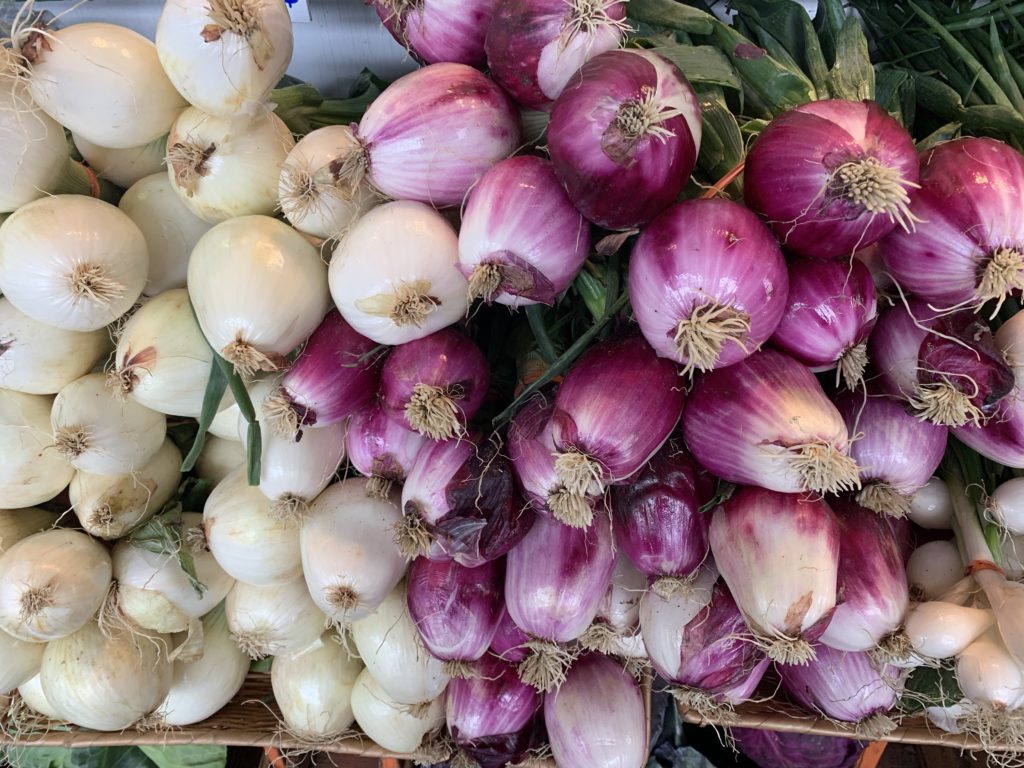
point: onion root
(882, 498)
(432, 411)
(546, 665)
(824, 468)
(944, 404)
(700, 337)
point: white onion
(941, 630)
(227, 167)
(124, 167)
(988, 674)
(170, 228)
(1006, 505)
(219, 458)
(312, 193)
(222, 55)
(392, 726)
(31, 472)
(663, 620)
(72, 262)
(393, 653)
(1013, 557)
(40, 359)
(108, 506)
(313, 689)
(51, 584)
(931, 506)
(31, 693)
(21, 661)
(349, 555)
(225, 423)
(248, 541)
(96, 433)
(394, 277)
(18, 524)
(102, 683)
(933, 568)
(254, 322)
(103, 82)
(268, 621)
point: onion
(439, 30)
(40, 359)
(219, 458)
(247, 540)
(624, 137)
(940, 630)
(535, 47)
(72, 262)
(21, 662)
(348, 551)
(931, 506)
(273, 620)
(708, 284)
(96, 433)
(532, 451)
(437, 383)
(832, 176)
(18, 524)
(394, 276)
(616, 629)
(226, 54)
(521, 241)
(988, 674)
(79, 76)
(226, 167)
(31, 472)
(170, 228)
(126, 166)
(109, 506)
(382, 448)
(255, 322)
(509, 643)
(105, 683)
(663, 620)
(392, 726)
(766, 421)
(933, 568)
(1006, 506)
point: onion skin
(775, 749)
(509, 643)
(381, 447)
(440, 30)
(788, 170)
(532, 451)
(616, 180)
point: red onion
(872, 581)
(832, 176)
(531, 448)
(596, 719)
(829, 315)
(658, 523)
(534, 47)
(708, 283)
(972, 249)
(777, 749)
(381, 448)
(554, 583)
(845, 686)
(460, 496)
(437, 383)
(896, 452)
(766, 421)
(439, 30)
(455, 609)
(432, 133)
(624, 137)
(521, 241)
(509, 641)
(616, 628)
(779, 556)
(613, 410)
(334, 377)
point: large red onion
(509, 641)
(382, 448)
(439, 30)
(532, 451)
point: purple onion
(534, 47)
(531, 448)
(554, 583)
(708, 283)
(334, 377)
(509, 641)
(766, 421)
(872, 581)
(455, 609)
(436, 383)
(433, 133)
(971, 248)
(381, 448)
(778, 749)
(845, 686)
(830, 312)
(615, 408)
(521, 241)
(832, 176)
(895, 344)
(658, 523)
(460, 496)
(439, 30)
(624, 137)
(596, 719)
(896, 452)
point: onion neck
(877, 188)
(243, 18)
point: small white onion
(31, 472)
(663, 620)
(225, 423)
(247, 539)
(170, 228)
(18, 524)
(31, 693)
(269, 621)
(394, 276)
(940, 630)
(72, 262)
(933, 568)
(393, 726)
(21, 661)
(988, 674)
(227, 167)
(1013, 557)
(124, 167)
(254, 322)
(1006, 506)
(51, 584)
(931, 506)
(219, 458)
(96, 433)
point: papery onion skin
(391, 725)
(618, 176)
(531, 449)
(18, 524)
(707, 261)
(31, 472)
(509, 643)
(381, 447)
(439, 30)
(123, 167)
(272, 620)
(792, 176)
(21, 662)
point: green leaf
(254, 440)
(187, 756)
(1001, 68)
(721, 147)
(852, 76)
(894, 91)
(930, 687)
(193, 492)
(212, 397)
(164, 535)
(702, 64)
(788, 23)
(262, 665)
(535, 317)
(82, 757)
(591, 289)
(668, 13)
(828, 20)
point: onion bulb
(940, 630)
(31, 693)
(219, 458)
(123, 167)
(395, 727)
(18, 524)
(31, 472)
(21, 661)
(267, 621)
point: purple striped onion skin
(895, 345)
(485, 709)
(381, 447)
(440, 30)
(509, 641)
(532, 451)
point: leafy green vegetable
(189, 756)
(164, 534)
(930, 687)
